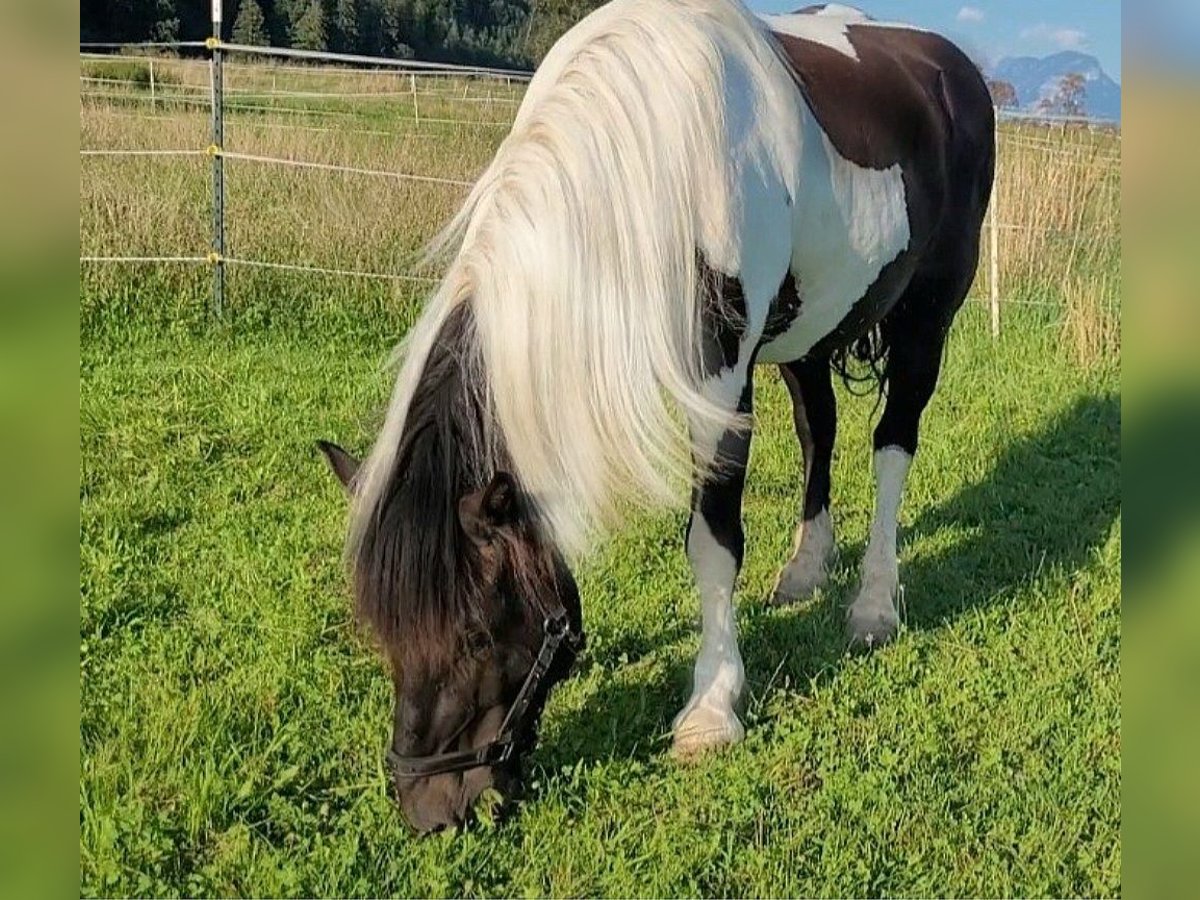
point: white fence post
(153, 101)
(217, 149)
(994, 241)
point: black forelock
(413, 568)
(422, 584)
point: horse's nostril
(432, 806)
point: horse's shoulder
(883, 92)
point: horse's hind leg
(715, 546)
(916, 333)
(814, 411)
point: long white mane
(577, 251)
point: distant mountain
(1036, 78)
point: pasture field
(232, 721)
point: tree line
(1067, 98)
(515, 33)
(483, 32)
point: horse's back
(902, 177)
(888, 94)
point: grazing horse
(688, 191)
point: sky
(990, 30)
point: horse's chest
(850, 224)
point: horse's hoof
(871, 625)
(703, 731)
(799, 583)
(808, 569)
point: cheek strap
(556, 631)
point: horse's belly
(849, 224)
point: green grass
(232, 721)
(232, 724)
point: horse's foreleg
(715, 543)
(914, 361)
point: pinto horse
(688, 191)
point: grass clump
(1091, 324)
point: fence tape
(420, 279)
(119, 152)
(319, 129)
(237, 106)
(143, 259)
(402, 64)
(1015, 302)
(185, 117)
(353, 170)
(213, 258)
(141, 85)
(321, 270)
(117, 45)
(241, 99)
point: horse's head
(491, 622)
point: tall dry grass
(1056, 206)
(152, 206)
(310, 93)
(1091, 320)
(1057, 198)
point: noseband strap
(556, 630)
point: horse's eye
(477, 643)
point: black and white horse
(688, 191)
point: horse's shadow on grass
(1048, 505)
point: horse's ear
(344, 466)
(484, 512)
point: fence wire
(134, 260)
(349, 170)
(112, 151)
(324, 270)
(166, 92)
(170, 96)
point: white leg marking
(872, 617)
(708, 719)
(724, 390)
(812, 552)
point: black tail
(862, 362)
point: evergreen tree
(309, 31)
(166, 23)
(398, 26)
(250, 26)
(492, 32)
(345, 26)
(547, 21)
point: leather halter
(556, 630)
